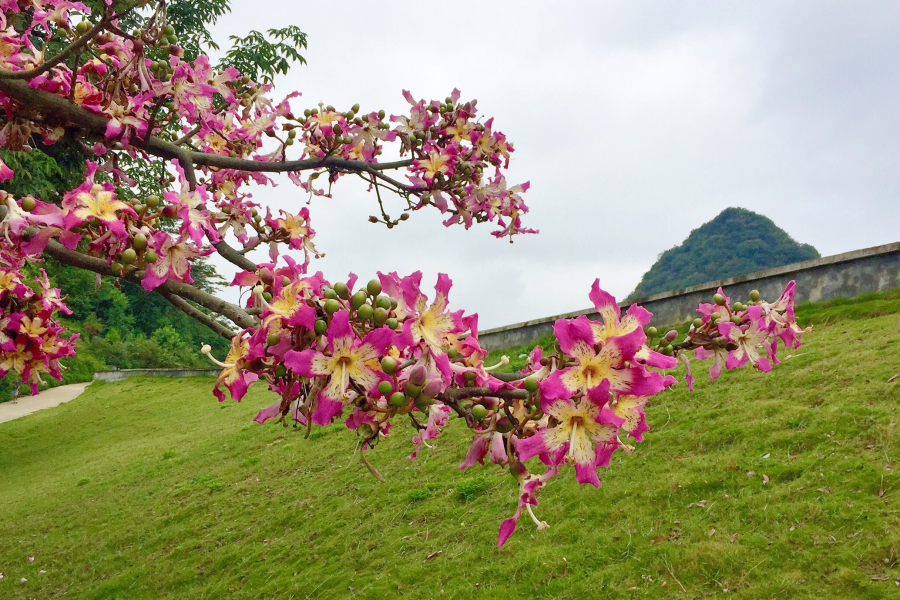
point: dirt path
(46, 399)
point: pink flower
(343, 364)
(586, 432)
(173, 262)
(748, 337)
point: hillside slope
(757, 486)
(736, 242)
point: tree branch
(198, 315)
(74, 47)
(228, 310)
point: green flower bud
(398, 400)
(738, 306)
(736, 319)
(453, 353)
(383, 302)
(381, 316)
(128, 256)
(139, 242)
(169, 30)
(151, 256)
(719, 299)
(152, 201)
(332, 306)
(668, 350)
(698, 323)
(358, 299)
(652, 331)
(374, 287)
(272, 339)
(754, 295)
(470, 375)
(381, 114)
(389, 365)
(385, 387)
(479, 412)
(28, 204)
(355, 108)
(392, 323)
(280, 371)
(412, 390)
(342, 290)
(116, 266)
(365, 312)
(267, 296)
(285, 281)
(329, 294)
(531, 384)
(320, 327)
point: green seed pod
(531, 384)
(381, 316)
(152, 201)
(28, 204)
(358, 299)
(374, 287)
(479, 412)
(139, 242)
(383, 302)
(398, 400)
(392, 323)
(342, 290)
(320, 327)
(388, 365)
(754, 295)
(128, 256)
(719, 299)
(151, 256)
(272, 339)
(332, 306)
(365, 312)
(329, 294)
(652, 331)
(384, 388)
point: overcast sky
(635, 122)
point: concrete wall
(126, 373)
(845, 275)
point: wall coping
(714, 285)
(123, 373)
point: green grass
(151, 489)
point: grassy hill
(757, 486)
(736, 242)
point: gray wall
(126, 373)
(845, 275)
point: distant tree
(736, 242)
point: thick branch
(189, 309)
(477, 392)
(228, 310)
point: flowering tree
(131, 102)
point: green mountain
(736, 242)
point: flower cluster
(149, 95)
(30, 342)
(372, 353)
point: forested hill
(736, 242)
